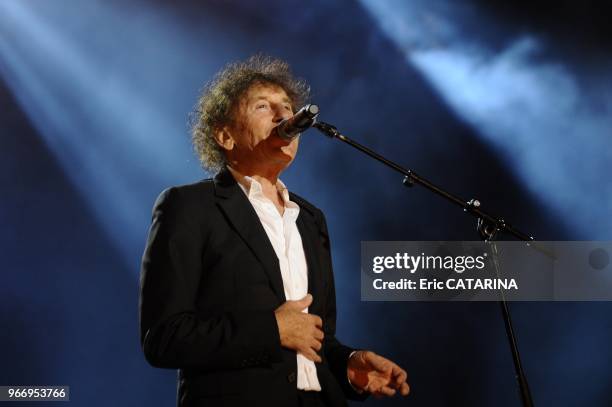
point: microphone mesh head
(313, 109)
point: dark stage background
(506, 101)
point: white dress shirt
(287, 243)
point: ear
(224, 138)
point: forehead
(265, 91)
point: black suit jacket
(210, 282)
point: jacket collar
(243, 218)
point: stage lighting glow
(108, 121)
(550, 128)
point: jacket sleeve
(172, 333)
(336, 353)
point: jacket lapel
(243, 218)
(309, 234)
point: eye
(288, 107)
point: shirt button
(291, 377)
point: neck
(266, 176)
(268, 183)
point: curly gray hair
(219, 99)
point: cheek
(258, 131)
(250, 138)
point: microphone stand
(488, 227)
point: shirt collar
(253, 190)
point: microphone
(290, 128)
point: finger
(318, 334)
(312, 355)
(377, 389)
(404, 389)
(378, 362)
(316, 345)
(305, 302)
(316, 320)
(385, 391)
(299, 305)
(399, 376)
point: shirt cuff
(358, 391)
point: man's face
(254, 146)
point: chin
(284, 156)
(283, 161)
(289, 152)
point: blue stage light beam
(102, 88)
(551, 127)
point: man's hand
(375, 374)
(300, 331)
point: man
(237, 290)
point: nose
(281, 113)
